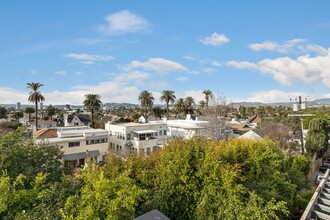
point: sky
(256, 51)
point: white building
(185, 128)
(136, 137)
(80, 144)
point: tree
(208, 94)
(35, 96)
(189, 102)
(167, 97)
(17, 115)
(3, 112)
(280, 133)
(146, 101)
(215, 116)
(50, 111)
(317, 136)
(157, 112)
(92, 103)
(29, 111)
(179, 106)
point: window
(164, 132)
(74, 144)
(160, 133)
(128, 136)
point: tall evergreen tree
(208, 94)
(92, 103)
(35, 97)
(167, 97)
(146, 101)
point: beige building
(80, 144)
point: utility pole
(299, 107)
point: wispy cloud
(123, 22)
(88, 58)
(181, 79)
(158, 65)
(215, 40)
(61, 72)
(275, 46)
(242, 65)
(314, 48)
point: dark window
(74, 144)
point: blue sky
(266, 51)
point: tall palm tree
(92, 103)
(35, 97)
(179, 106)
(29, 111)
(189, 102)
(146, 101)
(208, 94)
(167, 97)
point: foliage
(35, 97)
(146, 101)
(3, 112)
(317, 136)
(51, 111)
(189, 179)
(92, 103)
(17, 115)
(167, 97)
(208, 94)
(21, 156)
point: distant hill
(325, 100)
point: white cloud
(273, 96)
(12, 96)
(33, 72)
(158, 65)
(132, 76)
(208, 70)
(275, 46)
(61, 72)
(215, 40)
(181, 79)
(216, 63)
(242, 65)
(88, 58)
(123, 22)
(286, 70)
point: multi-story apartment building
(80, 144)
(135, 137)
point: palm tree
(35, 96)
(189, 102)
(157, 112)
(29, 111)
(92, 103)
(179, 106)
(146, 101)
(167, 97)
(208, 94)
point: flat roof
(145, 131)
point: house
(136, 137)
(185, 128)
(77, 120)
(42, 124)
(80, 144)
(252, 134)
